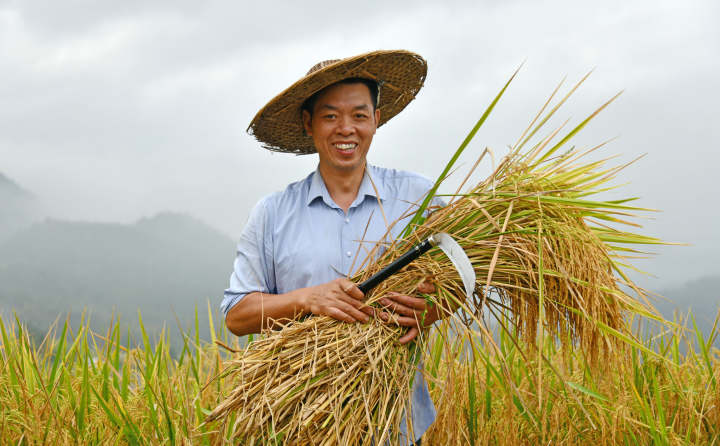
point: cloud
(112, 110)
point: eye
(361, 115)
(330, 116)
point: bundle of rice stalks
(543, 253)
(319, 382)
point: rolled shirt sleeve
(253, 267)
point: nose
(345, 126)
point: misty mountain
(701, 296)
(162, 266)
(9, 187)
(18, 207)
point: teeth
(345, 146)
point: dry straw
(549, 262)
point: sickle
(447, 244)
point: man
(301, 244)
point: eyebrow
(332, 107)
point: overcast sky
(116, 110)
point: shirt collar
(318, 189)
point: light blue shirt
(300, 237)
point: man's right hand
(340, 299)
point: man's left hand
(409, 311)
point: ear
(377, 117)
(307, 122)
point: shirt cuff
(230, 300)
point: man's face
(342, 126)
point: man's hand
(412, 312)
(340, 299)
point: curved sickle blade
(459, 259)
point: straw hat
(399, 74)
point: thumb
(426, 287)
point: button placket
(347, 251)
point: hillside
(701, 296)
(162, 266)
(18, 207)
(10, 187)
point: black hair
(372, 85)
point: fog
(115, 111)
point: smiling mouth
(345, 147)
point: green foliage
(647, 395)
(82, 387)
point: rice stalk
(546, 258)
(663, 390)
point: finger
(353, 312)
(397, 308)
(357, 304)
(351, 289)
(402, 321)
(370, 311)
(389, 318)
(416, 303)
(339, 315)
(409, 336)
(426, 287)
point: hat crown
(321, 65)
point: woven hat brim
(400, 75)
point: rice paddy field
(555, 344)
(79, 387)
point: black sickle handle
(415, 252)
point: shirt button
(348, 253)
